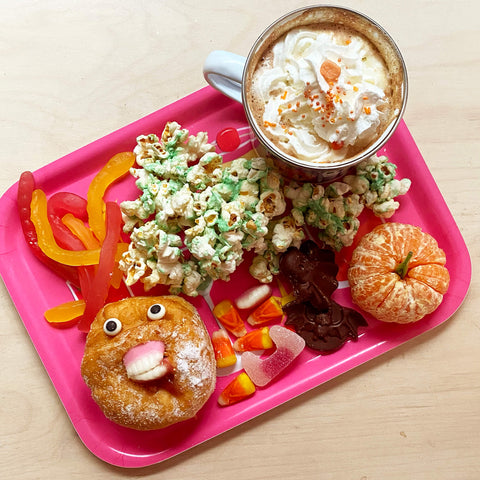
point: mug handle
(224, 71)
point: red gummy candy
(228, 139)
(289, 345)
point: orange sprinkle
(269, 124)
(284, 96)
(365, 97)
(368, 110)
(355, 88)
(280, 111)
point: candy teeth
(146, 362)
(156, 372)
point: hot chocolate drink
(322, 88)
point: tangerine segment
(372, 292)
(407, 302)
(397, 239)
(433, 275)
(368, 257)
(359, 273)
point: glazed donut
(149, 362)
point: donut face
(149, 362)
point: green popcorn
(300, 195)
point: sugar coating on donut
(158, 403)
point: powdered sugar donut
(149, 362)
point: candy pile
(78, 239)
(317, 318)
(282, 344)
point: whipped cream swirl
(323, 93)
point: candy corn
(229, 317)
(269, 311)
(222, 346)
(258, 339)
(238, 389)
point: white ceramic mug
(230, 74)
(224, 71)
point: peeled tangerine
(398, 273)
(288, 346)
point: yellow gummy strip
(46, 239)
(114, 169)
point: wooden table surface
(71, 72)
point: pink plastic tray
(34, 288)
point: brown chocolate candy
(320, 321)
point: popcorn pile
(334, 209)
(193, 222)
(196, 217)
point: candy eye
(112, 326)
(156, 311)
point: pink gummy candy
(289, 346)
